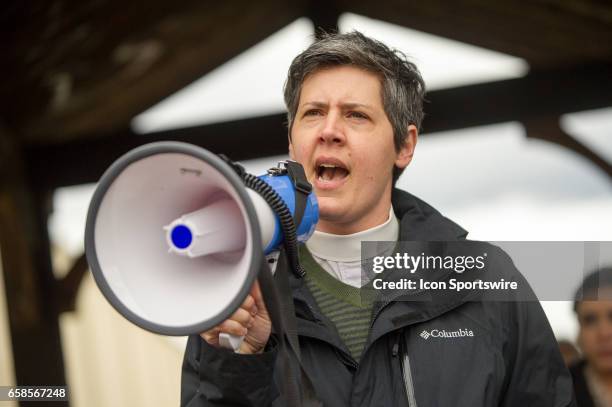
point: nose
(605, 330)
(332, 131)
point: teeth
(329, 172)
(325, 177)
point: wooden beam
(89, 68)
(549, 129)
(28, 276)
(324, 16)
(539, 94)
(84, 160)
(72, 75)
(545, 33)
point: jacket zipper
(404, 358)
(407, 376)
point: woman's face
(595, 336)
(344, 140)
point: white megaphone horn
(175, 240)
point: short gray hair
(402, 86)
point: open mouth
(331, 171)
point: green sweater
(341, 303)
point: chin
(330, 208)
(603, 368)
(330, 216)
(602, 363)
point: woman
(593, 374)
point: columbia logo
(441, 333)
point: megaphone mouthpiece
(181, 236)
(217, 227)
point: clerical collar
(348, 247)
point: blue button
(181, 236)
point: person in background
(593, 373)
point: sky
(492, 180)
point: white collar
(348, 247)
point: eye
(313, 112)
(589, 319)
(357, 115)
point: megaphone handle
(230, 341)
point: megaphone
(175, 240)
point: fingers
(229, 326)
(249, 304)
(237, 324)
(211, 336)
(242, 319)
(258, 298)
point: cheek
(300, 152)
(377, 165)
(587, 340)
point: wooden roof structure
(76, 73)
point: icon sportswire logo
(441, 333)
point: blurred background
(516, 144)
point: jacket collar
(420, 221)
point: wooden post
(28, 275)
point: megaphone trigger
(230, 341)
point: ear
(404, 155)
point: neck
(347, 247)
(349, 228)
(373, 217)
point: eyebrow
(348, 105)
